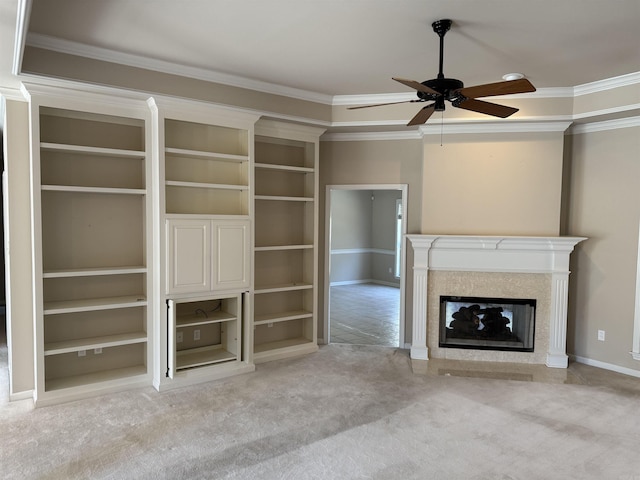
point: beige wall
(604, 205)
(18, 249)
(492, 184)
(351, 229)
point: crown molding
(607, 84)
(15, 94)
(344, 100)
(22, 27)
(605, 125)
(47, 42)
(369, 136)
(538, 125)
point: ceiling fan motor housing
(447, 87)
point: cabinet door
(188, 256)
(231, 254)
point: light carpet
(346, 412)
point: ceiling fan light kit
(439, 89)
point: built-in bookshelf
(285, 241)
(90, 202)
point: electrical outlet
(82, 353)
(270, 324)
(601, 335)
(97, 351)
(179, 337)
(196, 334)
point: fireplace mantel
(494, 254)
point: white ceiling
(346, 47)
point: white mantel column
(557, 355)
(421, 245)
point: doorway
(365, 264)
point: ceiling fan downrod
(441, 27)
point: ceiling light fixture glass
(512, 76)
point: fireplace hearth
(487, 323)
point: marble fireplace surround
(492, 266)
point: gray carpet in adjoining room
(346, 412)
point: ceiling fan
(440, 89)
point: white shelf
(281, 317)
(92, 304)
(281, 198)
(70, 346)
(93, 272)
(183, 152)
(215, 186)
(198, 357)
(193, 320)
(87, 189)
(283, 247)
(81, 149)
(287, 168)
(287, 287)
(97, 377)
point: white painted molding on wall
(606, 366)
(607, 84)
(606, 125)
(351, 251)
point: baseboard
(366, 280)
(606, 366)
(25, 395)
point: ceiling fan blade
(487, 108)
(416, 85)
(423, 115)
(383, 104)
(499, 88)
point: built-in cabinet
(171, 244)
(205, 174)
(207, 255)
(285, 243)
(91, 268)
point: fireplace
(503, 324)
(491, 272)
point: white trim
(493, 126)
(606, 366)
(621, 109)
(370, 136)
(97, 53)
(364, 281)
(22, 27)
(14, 94)
(607, 84)
(24, 395)
(606, 125)
(350, 251)
(374, 98)
(371, 98)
